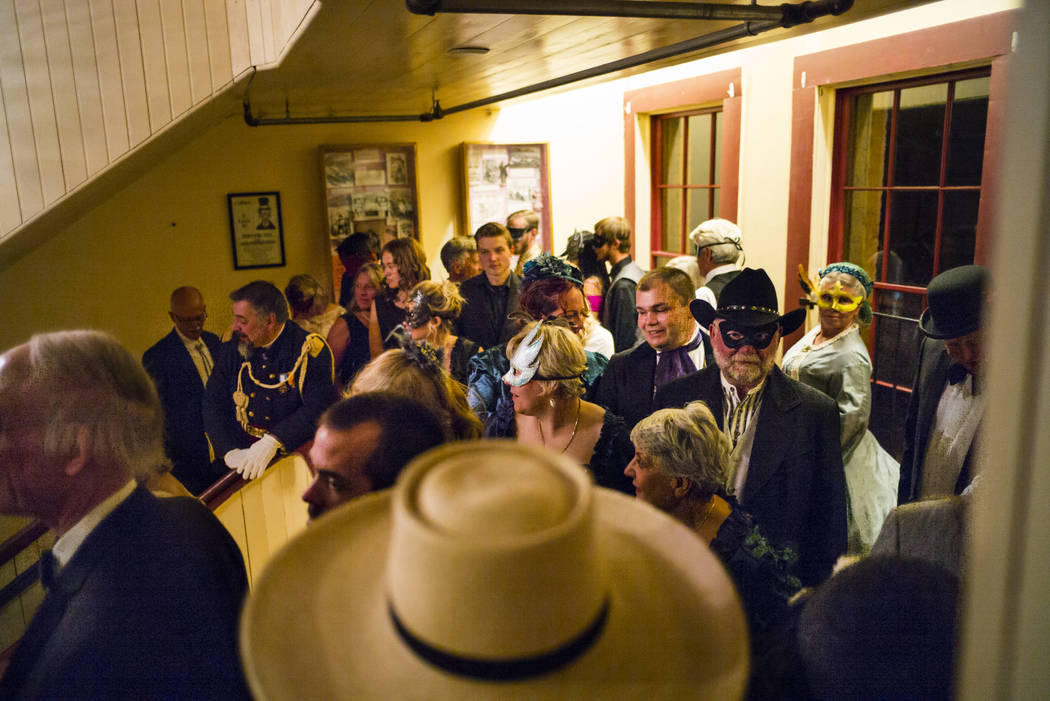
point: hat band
(504, 670)
(746, 308)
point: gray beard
(246, 350)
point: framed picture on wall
(499, 179)
(371, 189)
(256, 229)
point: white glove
(259, 456)
(234, 459)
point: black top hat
(955, 299)
(749, 299)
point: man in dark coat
(946, 406)
(271, 383)
(786, 461)
(493, 294)
(612, 245)
(142, 593)
(673, 346)
(180, 364)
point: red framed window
(906, 192)
(686, 177)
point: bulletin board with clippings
(369, 188)
(502, 178)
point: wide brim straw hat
(495, 570)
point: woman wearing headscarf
(832, 358)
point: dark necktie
(48, 569)
(673, 364)
(957, 373)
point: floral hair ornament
(420, 354)
(545, 265)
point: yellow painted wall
(115, 268)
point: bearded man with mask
(786, 463)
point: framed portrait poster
(371, 189)
(256, 229)
(499, 179)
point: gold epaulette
(314, 344)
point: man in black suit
(491, 296)
(673, 346)
(786, 461)
(180, 364)
(946, 406)
(143, 593)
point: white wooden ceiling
(374, 57)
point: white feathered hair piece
(523, 364)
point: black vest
(716, 283)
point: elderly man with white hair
(142, 593)
(718, 250)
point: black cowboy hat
(749, 299)
(955, 298)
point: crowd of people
(663, 385)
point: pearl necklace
(539, 425)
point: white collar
(189, 343)
(67, 544)
(720, 270)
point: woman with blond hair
(309, 305)
(404, 266)
(414, 372)
(547, 362)
(433, 308)
(348, 338)
(681, 466)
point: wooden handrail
(21, 540)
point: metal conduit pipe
(790, 15)
(599, 8)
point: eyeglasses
(516, 232)
(189, 319)
(574, 314)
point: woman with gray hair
(681, 466)
(832, 358)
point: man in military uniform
(270, 384)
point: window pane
(699, 207)
(913, 220)
(671, 237)
(896, 339)
(920, 128)
(863, 231)
(673, 138)
(959, 230)
(869, 134)
(966, 141)
(699, 150)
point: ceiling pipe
(599, 8)
(790, 16)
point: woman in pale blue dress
(832, 358)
